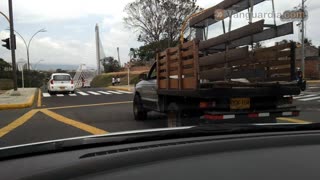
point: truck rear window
(61, 78)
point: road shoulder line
(18, 122)
(90, 105)
(74, 123)
(39, 104)
(293, 120)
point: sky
(70, 25)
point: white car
(60, 82)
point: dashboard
(289, 155)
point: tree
(111, 65)
(158, 19)
(60, 71)
(4, 66)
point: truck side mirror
(143, 76)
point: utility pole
(302, 40)
(118, 50)
(98, 49)
(13, 48)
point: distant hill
(53, 67)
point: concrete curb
(131, 89)
(27, 104)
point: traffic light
(7, 43)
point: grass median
(105, 80)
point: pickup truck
(225, 78)
(181, 85)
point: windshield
(61, 78)
(76, 68)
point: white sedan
(60, 82)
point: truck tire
(139, 112)
(175, 115)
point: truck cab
(146, 97)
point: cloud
(32, 11)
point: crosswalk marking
(103, 92)
(306, 96)
(46, 95)
(114, 92)
(94, 93)
(88, 93)
(310, 99)
(83, 93)
(125, 92)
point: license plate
(62, 87)
(240, 103)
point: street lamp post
(36, 65)
(22, 64)
(28, 44)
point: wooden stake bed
(186, 68)
(228, 62)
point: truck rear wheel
(139, 112)
(175, 115)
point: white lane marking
(46, 95)
(114, 92)
(125, 92)
(103, 92)
(307, 96)
(60, 95)
(310, 99)
(72, 95)
(83, 93)
(313, 87)
(94, 93)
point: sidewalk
(122, 88)
(25, 100)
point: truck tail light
(253, 115)
(51, 82)
(219, 116)
(71, 81)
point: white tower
(98, 49)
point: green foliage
(105, 80)
(32, 78)
(4, 66)
(6, 84)
(101, 81)
(158, 19)
(111, 65)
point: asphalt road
(98, 111)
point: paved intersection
(99, 111)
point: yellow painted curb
(120, 88)
(27, 104)
(313, 81)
